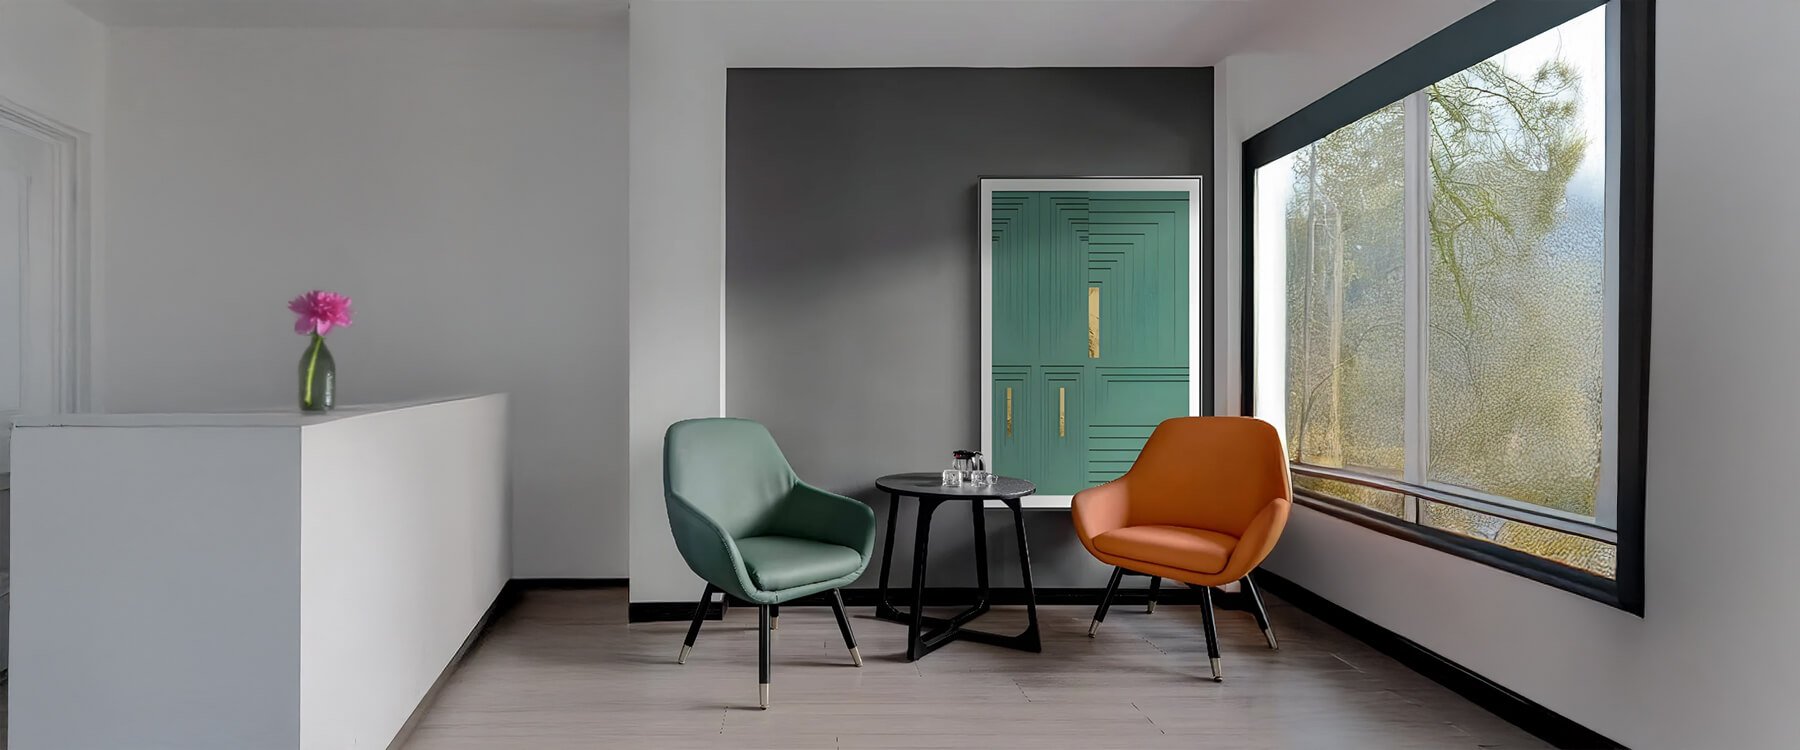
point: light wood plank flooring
(562, 670)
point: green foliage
(1502, 152)
(1346, 279)
(1515, 316)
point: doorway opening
(43, 290)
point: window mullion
(1606, 490)
(1416, 270)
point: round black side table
(930, 491)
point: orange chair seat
(1179, 547)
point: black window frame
(1494, 28)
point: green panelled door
(1090, 330)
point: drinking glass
(953, 478)
(980, 478)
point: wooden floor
(562, 670)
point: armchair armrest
(710, 552)
(1258, 539)
(1098, 510)
(811, 513)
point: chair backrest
(1211, 473)
(728, 469)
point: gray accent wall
(852, 286)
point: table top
(931, 484)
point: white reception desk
(238, 581)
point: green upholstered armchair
(748, 526)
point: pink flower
(320, 312)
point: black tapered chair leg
(694, 629)
(837, 608)
(1262, 615)
(1112, 588)
(1212, 632)
(1155, 585)
(774, 617)
(762, 688)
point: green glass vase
(318, 377)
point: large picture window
(1440, 299)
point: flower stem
(312, 363)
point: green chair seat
(785, 562)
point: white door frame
(1196, 295)
(63, 302)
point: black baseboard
(1015, 596)
(635, 612)
(948, 597)
(1546, 724)
(671, 611)
(570, 583)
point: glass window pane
(1346, 344)
(1516, 311)
(1390, 503)
(1591, 555)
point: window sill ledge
(1525, 565)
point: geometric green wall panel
(1089, 317)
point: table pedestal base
(920, 642)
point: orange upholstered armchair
(1203, 504)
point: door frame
(1196, 291)
(69, 254)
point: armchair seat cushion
(784, 562)
(1180, 547)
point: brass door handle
(1093, 322)
(1009, 412)
(1062, 412)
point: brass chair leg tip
(856, 656)
(774, 623)
(1094, 628)
(1150, 608)
(1218, 671)
(682, 659)
(1273, 646)
(763, 695)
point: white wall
(53, 61)
(677, 263)
(466, 187)
(1709, 664)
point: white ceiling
(799, 33)
(355, 13)
(975, 33)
